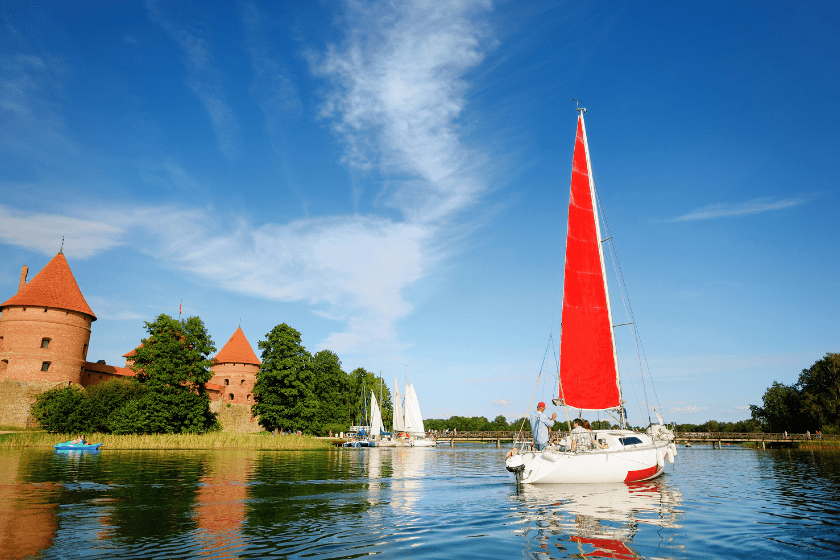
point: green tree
(62, 410)
(284, 393)
(174, 365)
(331, 385)
(819, 387)
(781, 409)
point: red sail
(588, 373)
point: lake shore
(214, 440)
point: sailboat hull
(644, 460)
(422, 442)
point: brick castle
(44, 335)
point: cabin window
(45, 343)
(45, 366)
(227, 381)
(231, 396)
(629, 440)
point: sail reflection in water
(594, 521)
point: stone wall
(235, 417)
(15, 399)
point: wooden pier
(715, 439)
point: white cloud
(755, 206)
(689, 409)
(43, 233)
(500, 402)
(398, 92)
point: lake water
(410, 503)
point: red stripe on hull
(642, 474)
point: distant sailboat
(589, 375)
(414, 420)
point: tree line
(810, 404)
(294, 390)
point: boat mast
(582, 110)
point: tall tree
(820, 390)
(781, 409)
(331, 385)
(284, 391)
(173, 362)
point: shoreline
(208, 441)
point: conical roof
(53, 287)
(237, 350)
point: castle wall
(236, 381)
(15, 399)
(22, 333)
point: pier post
(762, 444)
(451, 442)
(498, 443)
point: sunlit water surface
(410, 503)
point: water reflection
(592, 521)
(28, 522)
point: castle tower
(235, 369)
(45, 327)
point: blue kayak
(78, 446)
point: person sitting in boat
(540, 427)
(80, 439)
(582, 439)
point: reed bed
(214, 440)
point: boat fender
(674, 448)
(660, 457)
(515, 464)
(669, 454)
(551, 457)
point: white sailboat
(589, 375)
(414, 420)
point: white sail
(413, 418)
(399, 419)
(375, 417)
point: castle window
(45, 310)
(45, 343)
(227, 381)
(84, 351)
(45, 366)
(231, 396)
(248, 398)
(241, 382)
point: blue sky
(391, 179)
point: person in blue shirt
(540, 426)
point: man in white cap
(541, 426)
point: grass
(215, 440)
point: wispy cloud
(398, 90)
(735, 209)
(501, 402)
(690, 409)
(42, 232)
(203, 78)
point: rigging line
(522, 426)
(625, 297)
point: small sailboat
(589, 374)
(414, 420)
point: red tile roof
(113, 370)
(237, 350)
(53, 287)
